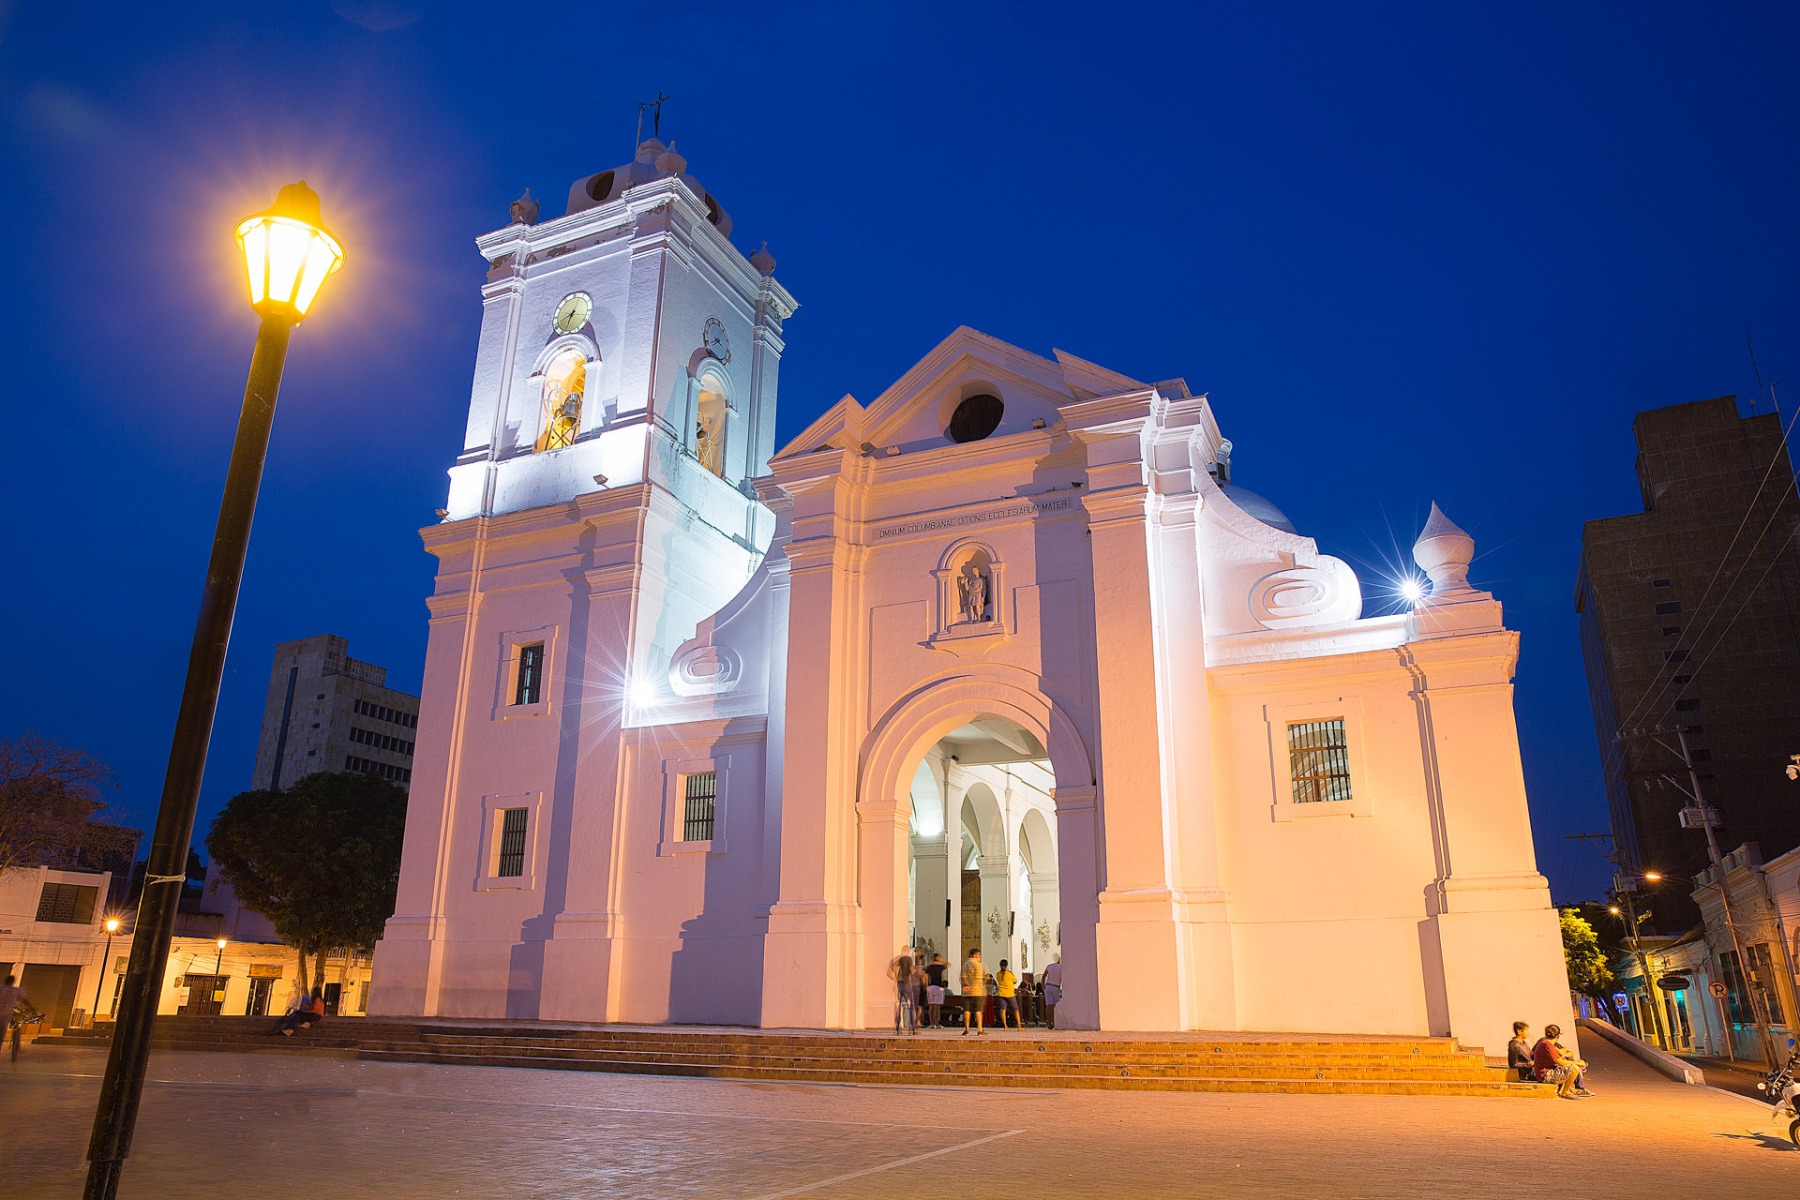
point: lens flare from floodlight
(1412, 590)
(643, 693)
(288, 253)
(1613, 909)
(1653, 876)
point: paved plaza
(276, 1124)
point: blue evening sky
(1414, 252)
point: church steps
(1232, 1063)
(974, 1076)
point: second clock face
(573, 312)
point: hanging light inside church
(288, 253)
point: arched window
(564, 382)
(710, 412)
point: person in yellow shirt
(974, 991)
(1006, 995)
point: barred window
(1318, 761)
(528, 688)
(512, 843)
(701, 791)
(67, 903)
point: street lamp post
(1624, 889)
(218, 966)
(288, 255)
(112, 927)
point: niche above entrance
(971, 612)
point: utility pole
(1624, 886)
(1707, 818)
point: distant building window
(1675, 655)
(528, 687)
(701, 795)
(1319, 761)
(1668, 608)
(1662, 583)
(67, 903)
(1671, 631)
(1687, 705)
(1681, 679)
(512, 843)
(1700, 755)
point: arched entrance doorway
(988, 841)
(981, 852)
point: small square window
(511, 864)
(67, 903)
(1671, 630)
(700, 796)
(1662, 583)
(1668, 608)
(1688, 705)
(1319, 761)
(528, 685)
(1675, 655)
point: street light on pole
(112, 927)
(287, 255)
(218, 983)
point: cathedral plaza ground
(277, 1124)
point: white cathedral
(1002, 658)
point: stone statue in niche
(973, 588)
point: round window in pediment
(976, 418)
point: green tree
(1589, 971)
(49, 796)
(320, 860)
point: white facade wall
(1139, 639)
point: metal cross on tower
(655, 117)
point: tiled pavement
(268, 1125)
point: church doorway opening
(982, 863)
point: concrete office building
(328, 712)
(1688, 619)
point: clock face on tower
(573, 312)
(714, 339)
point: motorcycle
(1781, 1087)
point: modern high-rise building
(1688, 622)
(328, 712)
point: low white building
(1001, 657)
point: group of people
(923, 989)
(1547, 1061)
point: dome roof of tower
(654, 161)
(1258, 506)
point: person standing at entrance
(13, 1004)
(1006, 990)
(937, 975)
(1052, 992)
(974, 990)
(906, 1004)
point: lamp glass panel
(253, 235)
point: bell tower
(623, 336)
(600, 509)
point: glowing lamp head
(288, 254)
(1653, 876)
(112, 924)
(1411, 590)
(1613, 909)
(221, 943)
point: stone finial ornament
(524, 210)
(763, 261)
(671, 163)
(1444, 552)
(649, 148)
